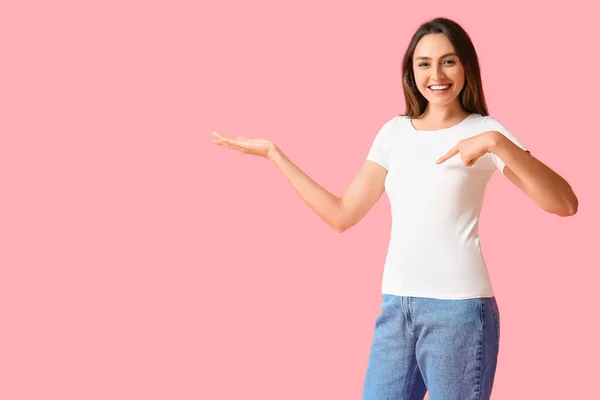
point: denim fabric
(447, 347)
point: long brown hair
(471, 96)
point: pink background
(140, 261)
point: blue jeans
(449, 347)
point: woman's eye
(447, 61)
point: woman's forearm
(547, 188)
(325, 204)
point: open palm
(257, 147)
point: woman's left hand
(472, 148)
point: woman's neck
(443, 113)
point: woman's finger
(234, 146)
(237, 143)
(226, 140)
(454, 151)
(228, 145)
(240, 143)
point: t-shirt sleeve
(380, 147)
(492, 124)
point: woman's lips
(439, 92)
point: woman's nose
(438, 75)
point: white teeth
(440, 87)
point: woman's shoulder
(485, 119)
(397, 123)
(492, 123)
(394, 122)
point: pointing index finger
(451, 153)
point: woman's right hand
(258, 147)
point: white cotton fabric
(434, 249)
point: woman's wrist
(273, 152)
(494, 141)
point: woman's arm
(340, 213)
(544, 186)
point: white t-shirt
(434, 248)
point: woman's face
(436, 64)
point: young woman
(439, 327)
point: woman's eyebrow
(429, 58)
